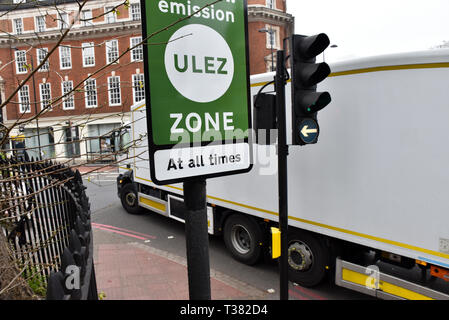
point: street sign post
(197, 81)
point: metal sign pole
(197, 239)
(282, 173)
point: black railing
(45, 214)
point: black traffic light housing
(265, 118)
(306, 74)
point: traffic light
(306, 74)
(265, 118)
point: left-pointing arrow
(305, 131)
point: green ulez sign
(198, 84)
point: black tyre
(243, 238)
(307, 258)
(128, 197)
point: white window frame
(63, 23)
(110, 54)
(24, 99)
(88, 50)
(45, 95)
(41, 57)
(111, 16)
(21, 61)
(16, 30)
(268, 3)
(87, 15)
(138, 85)
(40, 24)
(115, 98)
(137, 52)
(62, 61)
(135, 12)
(87, 96)
(68, 102)
(276, 37)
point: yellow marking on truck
(401, 292)
(153, 204)
(367, 281)
(391, 68)
(142, 106)
(358, 234)
(376, 69)
(275, 243)
(354, 277)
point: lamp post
(270, 32)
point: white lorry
(373, 192)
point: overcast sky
(362, 28)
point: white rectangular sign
(187, 162)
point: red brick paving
(125, 271)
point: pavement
(134, 270)
(127, 267)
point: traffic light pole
(282, 173)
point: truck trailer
(372, 193)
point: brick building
(268, 24)
(81, 125)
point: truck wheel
(129, 199)
(243, 238)
(307, 258)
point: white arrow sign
(305, 131)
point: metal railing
(45, 215)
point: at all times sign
(197, 81)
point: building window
(72, 147)
(86, 16)
(273, 37)
(21, 61)
(41, 54)
(45, 91)
(138, 87)
(137, 52)
(65, 57)
(135, 11)
(40, 23)
(111, 51)
(271, 4)
(24, 99)
(88, 54)
(18, 26)
(68, 102)
(63, 20)
(90, 93)
(115, 98)
(111, 15)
